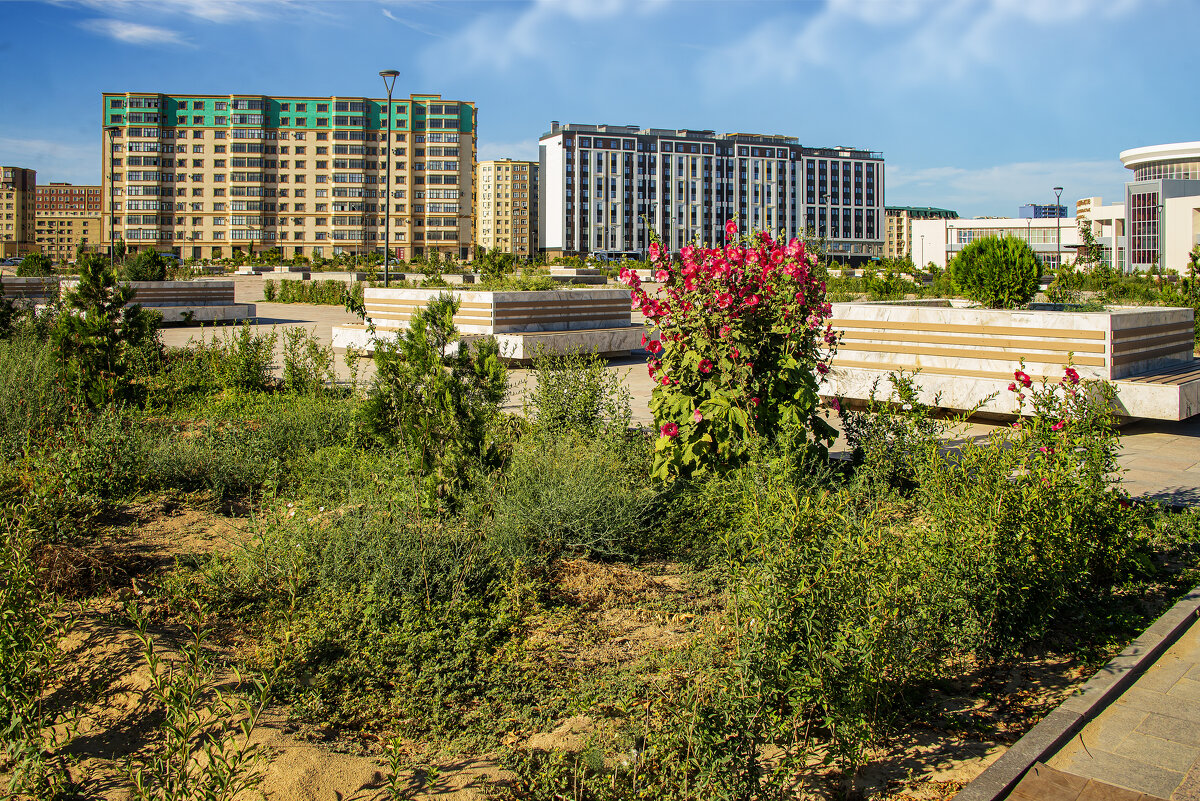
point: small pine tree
(35, 264)
(97, 332)
(999, 272)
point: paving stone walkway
(1148, 739)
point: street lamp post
(389, 81)
(1057, 228)
(112, 189)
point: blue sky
(977, 105)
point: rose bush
(742, 334)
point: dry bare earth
(619, 614)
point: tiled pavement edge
(1057, 732)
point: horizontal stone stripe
(1130, 345)
(839, 362)
(894, 336)
(986, 330)
(597, 314)
(541, 304)
(1121, 334)
(1146, 355)
(419, 303)
(1000, 355)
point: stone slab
(228, 312)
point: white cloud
(133, 32)
(54, 161)
(525, 150)
(209, 10)
(999, 189)
(904, 40)
(501, 40)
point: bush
(244, 359)
(744, 334)
(574, 391)
(573, 495)
(999, 272)
(270, 291)
(32, 400)
(307, 365)
(35, 264)
(146, 265)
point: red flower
(754, 401)
(752, 301)
(661, 276)
(724, 332)
(697, 416)
(1024, 379)
(668, 429)
(1012, 387)
(1070, 376)
(654, 250)
(724, 300)
(822, 368)
(1058, 426)
(654, 346)
(705, 366)
(730, 229)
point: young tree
(98, 331)
(146, 265)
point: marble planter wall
(592, 319)
(966, 354)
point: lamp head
(389, 79)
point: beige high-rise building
(68, 216)
(206, 175)
(17, 192)
(899, 242)
(506, 213)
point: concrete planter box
(204, 301)
(31, 290)
(591, 319)
(578, 275)
(965, 354)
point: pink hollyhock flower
(836, 404)
(654, 346)
(668, 429)
(1012, 387)
(752, 301)
(795, 249)
(1024, 379)
(724, 332)
(736, 353)
(1070, 375)
(661, 276)
(822, 368)
(724, 300)
(1017, 425)
(697, 416)
(705, 366)
(830, 337)
(1044, 449)
(644, 340)
(654, 251)
(731, 229)
(1058, 426)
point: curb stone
(1104, 687)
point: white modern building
(605, 188)
(1163, 204)
(1055, 240)
(1108, 228)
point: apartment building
(67, 216)
(1038, 211)
(605, 188)
(506, 209)
(206, 175)
(17, 192)
(899, 244)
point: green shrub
(244, 359)
(32, 400)
(270, 291)
(35, 264)
(327, 293)
(146, 265)
(999, 272)
(307, 365)
(574, 391)
(573, 495)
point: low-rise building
(899, 243)
(1037, 211)
(18, 187)
(1107, 227)
(1163, 205)
(68, 217)
(506, 211)
(1054, 240)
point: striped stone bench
(966, 354)
(589, 319)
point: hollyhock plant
(742, 332)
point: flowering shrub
(743, 335)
